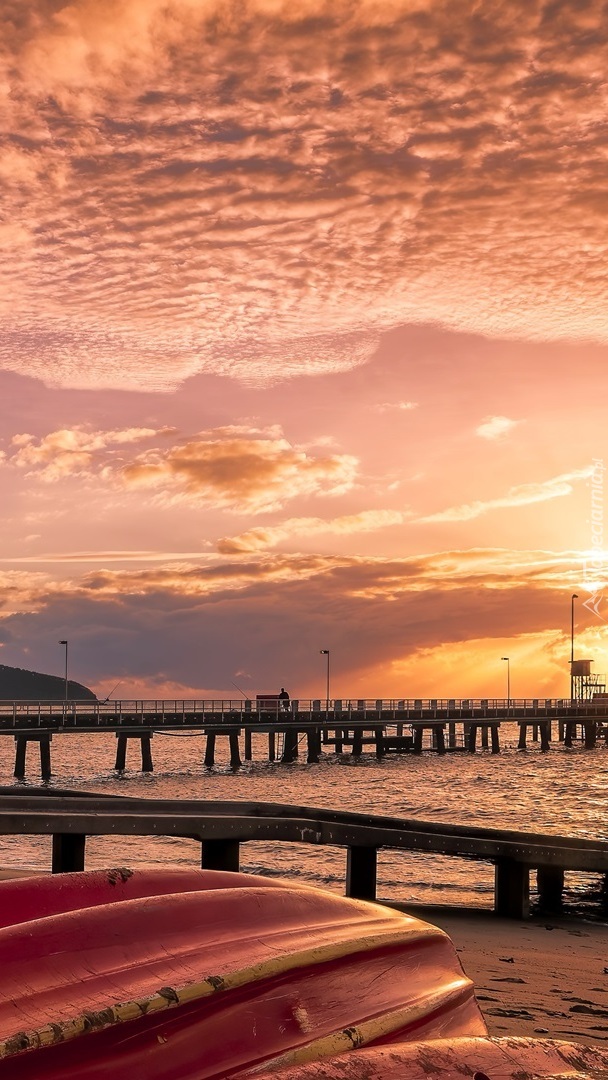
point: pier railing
(14, 714)
(223, 827)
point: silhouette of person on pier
(284, 699)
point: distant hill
(17, 684)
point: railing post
(361, 872)
(550, 884)
(68, 853)
(511, 889)
(220, 855)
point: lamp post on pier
(325, 652)
(65, 644)
(508, 683)
(572, 599)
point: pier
(388, 726)
(68, 818)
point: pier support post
(471, 738)
(247, 752)
(313, 743)
(147, 764)
(417, 740)
(545, 735)
(20, 752)
(44, 741)
(590, 730)
(550, 884)
(357, 742)
(379, 740)
(439, 734)
(45, 757)
(452, 735)
(523, 731)
(68, 853)
(272, 746)
(121, 750)
(121, 753)
(484, 737)
(235, 752)
(361, 872)
(511, 889)
(569, 733)
(495, 737)
(210, 750)
(338, 733)
(290, 746)
(220, 855)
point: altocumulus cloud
(259, 189)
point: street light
(508, 682)
(325, 652)
(65, 644)
(572, 599)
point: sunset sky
(304, 344)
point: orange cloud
(240, 472)
(522, 495)
(71, 451)
(267, 537)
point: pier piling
(147, 764)
(43, 739)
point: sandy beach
(543, 977)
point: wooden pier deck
(222, 827)
(389, 725)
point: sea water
(562, 792)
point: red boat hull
(193, 975)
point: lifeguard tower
(586, 685)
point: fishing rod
(105, 700)
(240, 691)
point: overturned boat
(194, 974)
